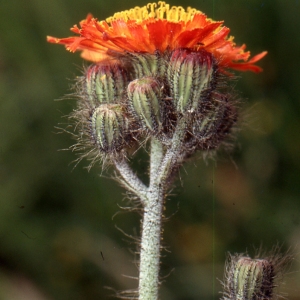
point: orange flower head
(158, 27)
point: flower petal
(158, 27)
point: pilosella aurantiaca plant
(156, 78)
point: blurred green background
(58, 237)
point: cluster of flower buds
(139, 95)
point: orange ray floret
(158, 27)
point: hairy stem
(161, 167)
(150, 245)
(156, 157)
(174, 153)
(162, 163)
(130, 180)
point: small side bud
(144, 102)
(190, 74)
(104, 83)
(214, 122)
(109, 127)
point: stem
(152, 198)
(161, 167)
(173, 154)
(156, 157)
(130, 180)
(150, 245)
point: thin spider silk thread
(213, 210)
(213, 229)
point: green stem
(130, 180)
(156, 157)
(150, 245)
(161, 167)
(174, 153)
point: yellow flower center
(159, 10)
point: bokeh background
(58, 224)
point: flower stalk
(152, 199)
(150, 244)
(161, 166)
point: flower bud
(214, 122)
(146, 64)
(109, 127)
(190, 74)
(104, 83)
(144, 102)
(250, 279)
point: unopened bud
(146, 64)
(109, 127)
(251, 279)
(213, 122)
(190, 74)
(104, 83)
(144, 102)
